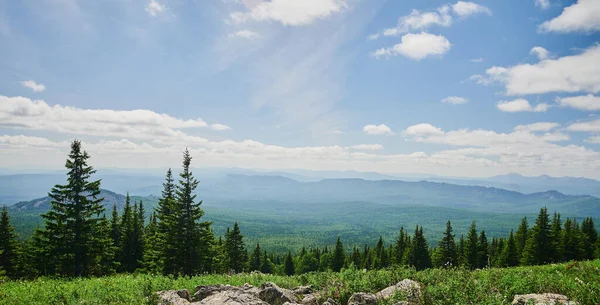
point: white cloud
(247, 34)
(544, 4)
(367, 147)
(293, 13)
(24, 113)
(540, 52)
(480, 59)
(422, 129)
(589, 126)
(454, 100)
(417, 46)
(373, 36)
(31, 84)
(574, 73)
(583, 102)
(465, 9)
(593, 140)
(540, 126)
(521, 105)
(579, 17)
(377, 129)
(155, 8)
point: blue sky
(450, 88)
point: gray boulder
(330, 301)
(406, 287)
(275, 295)
(303, 290)
(362, 298)
(310, 299)
(174, 297)
(542, 299)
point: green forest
(80, 240)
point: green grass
(580, 282)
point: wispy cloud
(35, 87)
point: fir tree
(115, 229)
(73, 224)
(400, 247)
(419, 251)
(510, 255)
(152, 251)
(236, 252)
(572, 241)
(482, 251)
(521, 236)
(9, 252)
(462, 260)
(127, 251)
(589, 238)
(255, 259)
(539, 247)
(556, 253)
(339, 257)
(472, 248)
(138, 233)
(356, 257)
(447, 248)
(289, 264)
(167, 226)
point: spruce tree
(419, 251)
(521, 236)
(115, 228)
(462, 259)
(152, 252)
(74, 222)
(400, 247)
(510, 255)
(9, 252)
(255, 257)
(266, 266)
(482, 251)
(447, 248)
(289, 264)
(236, 252)
(472, 248)
(138, 233)
(572, 241)
(339, 257)
(556, 250)
(168, 229)
(127, 251)
(539, 247)
(590, 236)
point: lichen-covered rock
(542, 299)
(330, 301)
(275, 295)
(408, 288)
(310, 299)
(174, 297)
(231, 297)
(362, 298)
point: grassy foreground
(579, 281)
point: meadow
(580, 281)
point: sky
(467, 89)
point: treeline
(79, 240)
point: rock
(409, 288)
(303, 290)
(310, 299)
(542, 299)
(362, 298)
(236, 296)
(274, 295)
(174, 297)
(330, 301)
(202, 292)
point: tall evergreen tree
(510, 255)
(74, 221)
(462, 259)
(266, 266)
(168, 230)
(138, 233)
(572, 241)
(539, 247)
(447, 248)
(193, 250)
(339, 257)
(556, 251)
(419, 251)
(289, 264)
(521, 237)
(472, 247)
(236, 252)
(115, 228)
(482, 251)
(401, 247)
(9, 252)
(127, 251)
(255, 258)
(152, 252)
(590, 236)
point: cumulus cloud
(35, 87)
(540, 126)
(465, 9)
(377, 129)
(247, 34)
(155, 8)
(292, 13)
(367, 147)
(579, 17)
(540, 52)
(589, 126)
(520, 105)
(574, 73)
(24, 113)
(417, 46)
(593, 140)
(454, 100)
(588, 102)
(544, 4)
(422, 129)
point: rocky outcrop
(275, 295)
(542, 299)
(362, 298)
(174, 297)
(409, 289)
